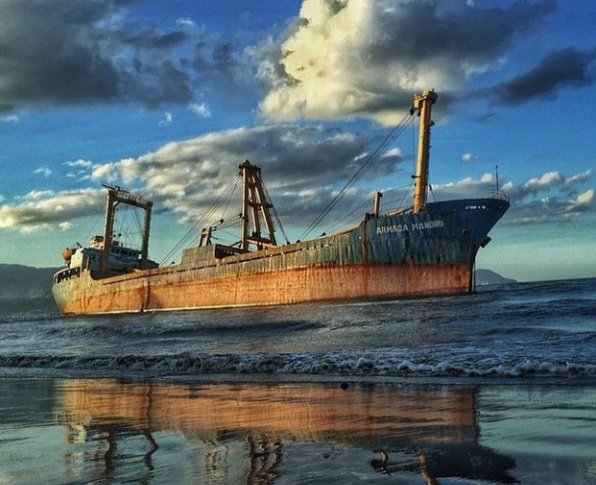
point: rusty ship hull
(394, 256)
(428, 249)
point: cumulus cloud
(45, 171)
(78, 169)
(547, 180)
(469, 157)
(352, 57)
(65, 226)
(200, 109)
(80, 163)
(39, 210)
(188, 176)
(339, 58)
(551, 197)
(107, 172)
(303, 167)
(585, 199)
(166, 119)
(468, 187)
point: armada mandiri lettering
(428, 224)
(393, 228)
(415, 226)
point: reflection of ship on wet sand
(431, 432)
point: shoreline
(134, 376)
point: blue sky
(167, 98)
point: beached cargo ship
(428, 249)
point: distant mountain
(22, 282)
(488, 277)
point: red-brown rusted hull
(161, 290)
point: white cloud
(546, 180)
(188, 176)
(45, 171)
(303, 166)
(105, 173)
(469, 157)
(45, 210)
(366, 58)
(80, 163)
(550, 197)
(578, 178)
(65, 226)
(166, 119)
(186, 23)
(9, 118)
(585, 199)
(79, 169)
(394, 152)
(200, 109)
(317, 62)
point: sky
(167, 98)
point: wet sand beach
(113, 431)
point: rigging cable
(275, 216)
(212, 210)
(376, 155)
(401, 191)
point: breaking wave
(325, 364)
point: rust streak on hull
(312, 284)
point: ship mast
(422, 105)
(115, 196)
(255, 209)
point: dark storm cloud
(415, 31)
(75, 51)
(65, 52)
(565, 67)
(149, 38)
(220, 67)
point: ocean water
(522, 330)
(494, 387)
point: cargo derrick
(115, 197)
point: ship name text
(415, 226)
